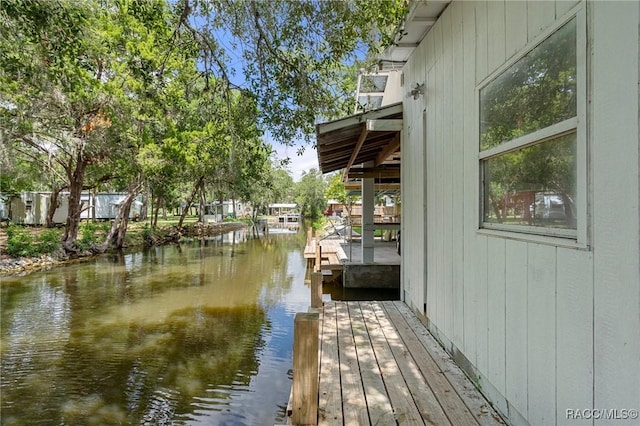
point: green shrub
(147, 232)
(20, 242)
(48, 241)
(87, 235)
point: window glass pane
(533, 186)
(368, 103)
(373, 83)
(537, 91)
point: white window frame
(578, 237)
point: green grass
(31, 242)
(376, 233)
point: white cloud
(298, 163)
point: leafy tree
(310, 194)
(293, 52)
(132, 94)
(283, 186)
(336, 190)
(80, 85)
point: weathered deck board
(330, 394)
(352, 391)
(475, 402)
(426, 402)
(442, 389)
(332, 253)
(378, 404)
(380, 366)
(404, 406)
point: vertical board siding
(420, 114)
(615, 156)
(437, 260)
(564, 6)
(549, 328)
(574, 335)
(482, 300)
(469, 175)
(516, 330)
(457, 190)
(431, 190)
(496, 41)
(417, 228)
(515, 27)
(496, 286)
(481, 41)
(540, 14)
(541, 333)
(446, 277)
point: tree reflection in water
(172, 335)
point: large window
(529, 140)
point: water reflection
(193, 334)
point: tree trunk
(189, 202)
(118, 230)
(125, 209)
(496, 208)
(202, 203)
(53, 205)
(156, 210)
(144, 207)
(76, 179)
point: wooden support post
(309, 235)
(305, 369)
(318, 266)
(316, 289)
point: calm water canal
(199, 333)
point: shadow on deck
(379, 365)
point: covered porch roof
(371, 137)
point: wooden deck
(333, 256)
(380, 366)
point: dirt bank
(24, 265)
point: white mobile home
(30, 208)
(4, 213)
(521, 199)
(104, 205)
(23, 206)
(530, 98)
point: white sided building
(521, 199)
(521, 100)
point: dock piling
(316, 289)
(305, 369)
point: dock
(378, 365)
(329, 251)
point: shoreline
(20, 266)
